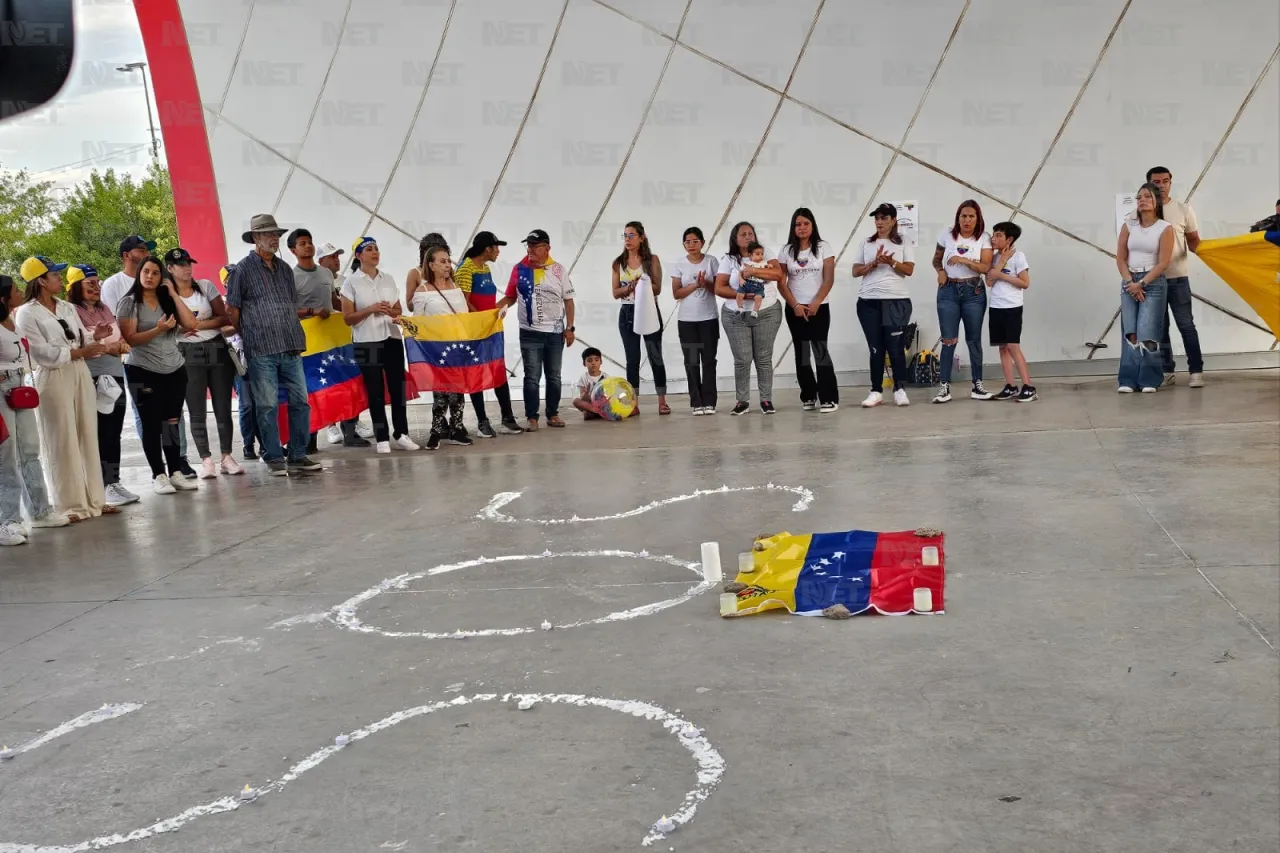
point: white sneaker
(163, 486)
(118, 495)
(1124, 389)
(51, 519)
(944, 393)
(230, 466)
(208, 471)
(900, 397)
(1197, 381)
(874, 399)
(333, 434)
(709, 410)
(384, 447)
(365, 432)
(699, 412)
(405, 443)
(180, 482)
(11, 534)
(1149, 390)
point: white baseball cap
(327, 249)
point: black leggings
(809, 339)
(110, 426)
(159, 398)
(503, 393)
(700, 339)
(382, 368)
(210, 374)
(631, 347)
(884, 340)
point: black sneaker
(486, 431)
(354, 441)
(979, 392)
(510, 427)
(187, 470)
(766, 407)
(304, 464)
(461, 438)
(808, 405)
(1006, 393)
(311, 445)
(1028, 394)
(278, 468)
(433, 443)
(741, 409)
(249, 454)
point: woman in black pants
(150, 316)
(884, 262)
(693, 282)
(810, 265)
(637, 274)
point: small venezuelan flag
(456, 353)
(1249, 263)
(859, 569)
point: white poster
(1126, 207)
(646, 320)
(909, 221)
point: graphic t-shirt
(475, 278)
(882, 282)
(541, 294)
(732, 266)
(965, 247)
(587, 383)
(202, 308)
(1003, 294)
(804, 273)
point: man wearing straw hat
(262, 301)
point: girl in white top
(68, 412)
(1143, 251)
(693, 281)
(884, 262)
(637, 274)
(750, 338)
(370, 305)
(961, 258)
(21, 475)
(810, 267)
(437, 295)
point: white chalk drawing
(345, 616)
(250, 644)
(99, 715)
(493, 510)
(710, 766)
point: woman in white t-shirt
(693, 282)
(750, 337)
(1143, 251)
(370, 305)
(884, 262)
(438, 295)
(961, 258)
(810, 267)
(637, 274)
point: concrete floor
(1108, 656)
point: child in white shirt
(1008, 280)
(592, 376)
(752, 286)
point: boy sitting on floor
(591, 378)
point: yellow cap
(33, 268)
(224, 273)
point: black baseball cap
(486, 239)
(536, 236)
(178, 256)
(128, 244)
(885, 209)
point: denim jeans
(248, 420)
(267, 374)
(1178, 296)
(21, 475)
(962, 301)
(543, 353)
(1140, 365)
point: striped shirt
(473, 277)
(267, 299)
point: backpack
(925, 368)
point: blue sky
(100, 116)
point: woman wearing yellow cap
(68, 412)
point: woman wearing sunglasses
(60, 346)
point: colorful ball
(614, 398)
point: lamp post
(141, 67)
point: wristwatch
(571, 329)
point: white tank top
(1144, 244)
(429, 302)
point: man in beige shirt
(1186, 236)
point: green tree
(27, 207)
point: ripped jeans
(1140, 360)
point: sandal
(111, 510)
(664, 409)
(72, 518)
(555, 421)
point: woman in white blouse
(750, 338)
(1143, 251)
(68, 411)
(693, 282)
(810, 265)
(438, 295)
(370, 304)
(884, 262)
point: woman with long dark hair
(86, 295)
(637, 274)
(693, 282)
(1143, 251)
(750, 338)
(961, 258)
(150, 316)
(884, 263)
(474, 278)
(59, 344)
(810, 265)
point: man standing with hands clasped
(1186, 239)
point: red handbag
(24, 396)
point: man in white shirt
(1186, 237)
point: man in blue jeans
(541, 289)
(1186, 238)
(262, 302)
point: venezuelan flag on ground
(456, 353)
(1249, 263)
(862, 570)
(335, 388)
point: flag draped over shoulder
(456, 353)
(1250, 264)
(859, 569)
(335, 388)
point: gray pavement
(1105, 678)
